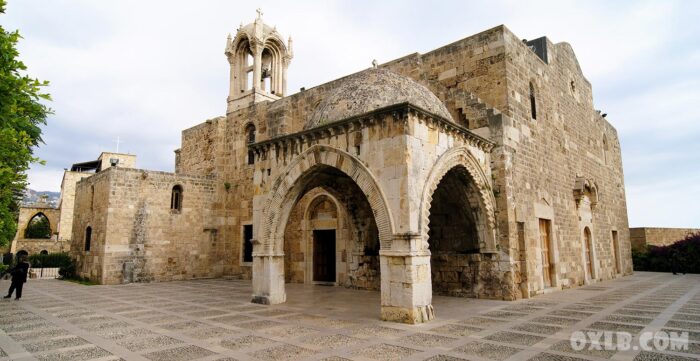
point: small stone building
(479, 169)
(60, 218)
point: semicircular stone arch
(460, 157)
(288, 188)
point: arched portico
(302, 174)
(461, 158)
(457, 225)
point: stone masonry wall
(643, 236)
(146, 240)
(91, 209)
(567, 140)
(65, 227)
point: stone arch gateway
(287, 188)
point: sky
(142, 71)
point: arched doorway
(588, 252)
(453, 237)
(331, 235)
(318, 166)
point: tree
(21, 115)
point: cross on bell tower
(259, 59)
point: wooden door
(588, 251)
(324, 256)
(616, 255)
(545, 241)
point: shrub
(660, 258)
(65, 264)
(49, 260)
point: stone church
(479, 169)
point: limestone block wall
(67, 203)
(33, 246)
(91, 209)
(197, 152)
(568, 140)
(137, 237)
(642, 236)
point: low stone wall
(455, 274)
(643, 236)
(43, 273)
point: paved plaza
(213, 320)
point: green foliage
(38, 227)
(50, 260)
(21, 117)
(3, 268)
(682, 255)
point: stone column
(406, 285)
(257, 66)
(268, 277)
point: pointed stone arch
(461, 157)
(287, 188)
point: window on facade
(605, 149)
(176, 199)
(92, 196)
(88, 238)
(250, 133)
(533, 102)
(250, 138)
(248, 243)
(43, 251)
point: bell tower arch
(259, 58)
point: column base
(420, 314)
(269, 300)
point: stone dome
(370, 90)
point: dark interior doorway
(324, 255)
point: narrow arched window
(533, 102)
(88, 238)
(176, 199)
(250, 133)
(250, 139)
(605, 149)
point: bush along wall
(683, 255)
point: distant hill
(32, 197)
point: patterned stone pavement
(213, 320)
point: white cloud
(145, 70)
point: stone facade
(480, 169)
(134, 233)
(61, 218)
(643, 236)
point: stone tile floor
(214, 320)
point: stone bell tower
(259, 59)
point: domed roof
(370, 90)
